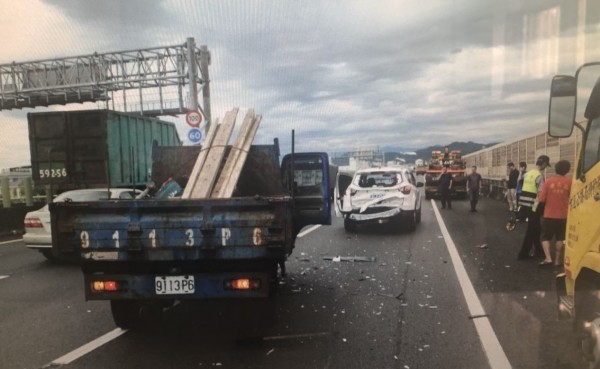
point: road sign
(193, 118)
(195, 135)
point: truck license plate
(174, 285)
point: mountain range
(392, 153)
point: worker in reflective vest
(532, 185)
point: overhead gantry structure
(160, 76)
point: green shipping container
(95, 148)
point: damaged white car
(377, 196)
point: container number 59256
(53, 173)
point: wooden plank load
(205, 180)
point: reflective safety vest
(529, 192)
(529, 181)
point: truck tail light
(33, 223)
(242, 284)
(105, 286)
(405, 189)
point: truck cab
(575, 103)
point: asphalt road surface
(410, 307)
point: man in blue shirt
(444, 187)
(473, 187)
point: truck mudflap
(176, 287)
(564, 302)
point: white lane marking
(88, 347)
(313, 228)
(3, 276)
(491, 345)
(11, 241)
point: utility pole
(192, 73)
(204, 63)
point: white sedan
(37, 234)
(377, 196)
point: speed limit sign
(193, 118)
(195, 135)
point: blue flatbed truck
(145, 253)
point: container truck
(95, 148)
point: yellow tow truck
(575, 102)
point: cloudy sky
(342, 73)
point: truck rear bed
(212, 241)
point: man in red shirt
(555, 195)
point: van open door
(342, 181)
(307, 181)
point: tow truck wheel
(349, 225)
(126, 314)
(586, 322)
(590, 343)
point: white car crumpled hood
(362, 201)
(392, 200)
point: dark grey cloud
(125, 15)
(347, 73)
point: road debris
(483, 246)
(363, 259)
(471, 317)
(270, 352)
(397, 297)
(296, 336)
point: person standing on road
(511, 186)
(444, 187)
(532, 185)
(555, 195)
(473, 187)
(522, 171)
